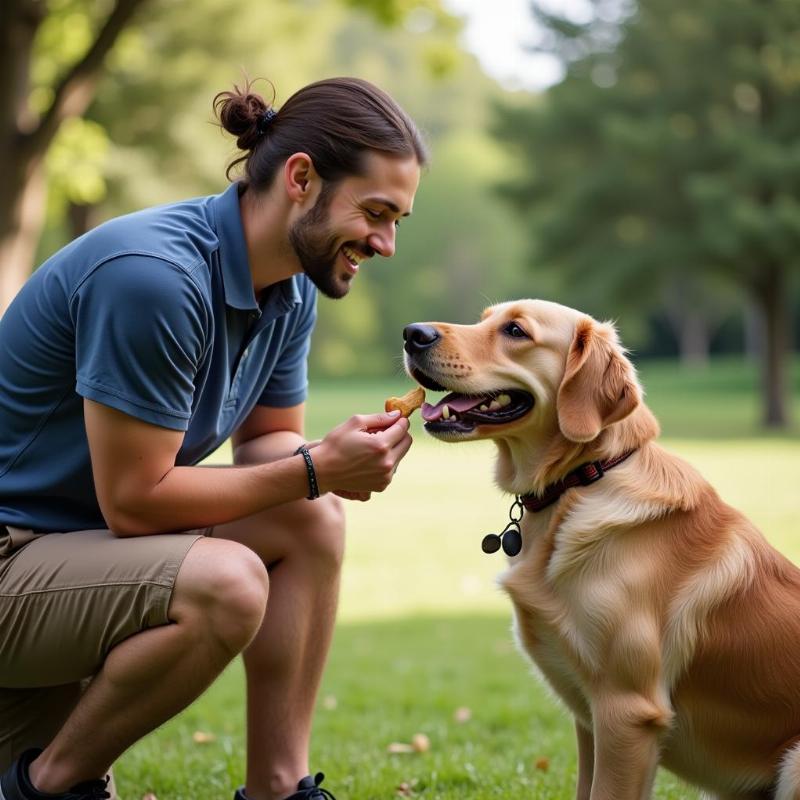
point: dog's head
(530, 371)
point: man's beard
(316, 248)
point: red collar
(584, 475)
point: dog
(659, 615)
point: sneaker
(307, 789)
(16, 784)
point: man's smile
(353, 258)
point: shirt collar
(237, 281)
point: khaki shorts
(66, 600)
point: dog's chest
(542, 622)
(564, 608)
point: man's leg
(216, 607)
(303, 545)
(33, 717)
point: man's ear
(599, 385)
(299, 177)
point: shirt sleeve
(141, 332)
(288, 384)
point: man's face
(354, 219)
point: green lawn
(423, 630)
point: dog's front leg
(627, 728)
(585, 761)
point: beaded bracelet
(313, 486)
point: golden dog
(660, 615)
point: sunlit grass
(423, 630)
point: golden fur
(660, 616)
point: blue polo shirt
(153, 314)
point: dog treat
(408, 403)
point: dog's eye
(515, 331)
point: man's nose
(419, 337)
(383, 242)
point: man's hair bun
(240, 112)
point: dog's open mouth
(462, 413)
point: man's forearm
(267, 447)
(187, 498)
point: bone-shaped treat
(408, 403)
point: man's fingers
(378, 422)
(394, 434)
(360, 496)
(401, 448)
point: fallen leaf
(420, 742)
(201, 737)
(462, 714)
(149, 796)
(404, 790)
(399, 747)
(542, 763)
(330, 703)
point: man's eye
(515, 331)
(374, 214)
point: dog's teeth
(494, 406)
(446, 412)
(484, 407)
(504, 400)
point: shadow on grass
(494, 731)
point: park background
(654, 180)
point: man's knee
(222, 589)
(321, 529)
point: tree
(25, 134)
(668, 157)
(154, 104)
(53, 55)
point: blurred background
(637, 160)
(640, 161)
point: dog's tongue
(456, 402)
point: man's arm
(141, 491)
(268, 433)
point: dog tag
(490, 543)
(512, 542)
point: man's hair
(336, 121)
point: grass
(423, 630)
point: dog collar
(511, 537)
(585, 475)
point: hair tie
(265, 120)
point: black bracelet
(313, 486)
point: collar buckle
(590, 472)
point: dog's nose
(419, 337)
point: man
(127, 358)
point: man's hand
(361, 455)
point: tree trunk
(24, 138)
(81, 218)
(771, 294)
(22, 211)
(694, 340)
(687, 310)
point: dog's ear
(599, 385)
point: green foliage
(76, 165)
(667, 156)
(457, 253)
